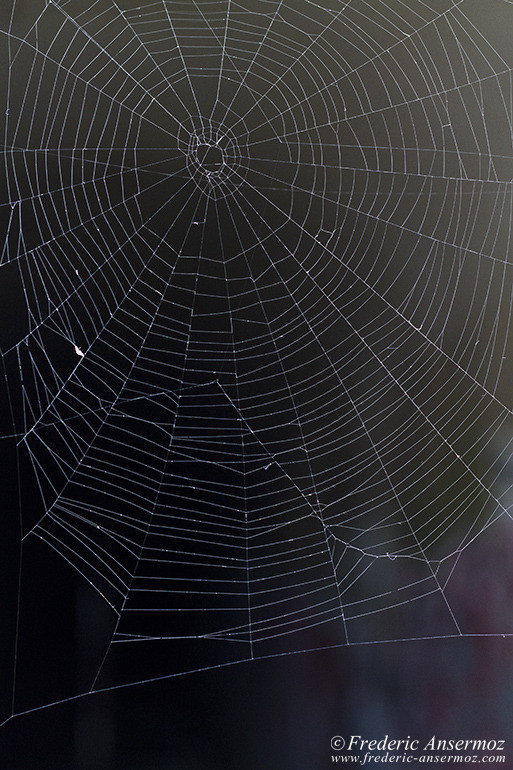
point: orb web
(259, 371)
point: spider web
(257, 259)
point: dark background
(219, 710)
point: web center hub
(210, 157)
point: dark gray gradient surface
(256, 291)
